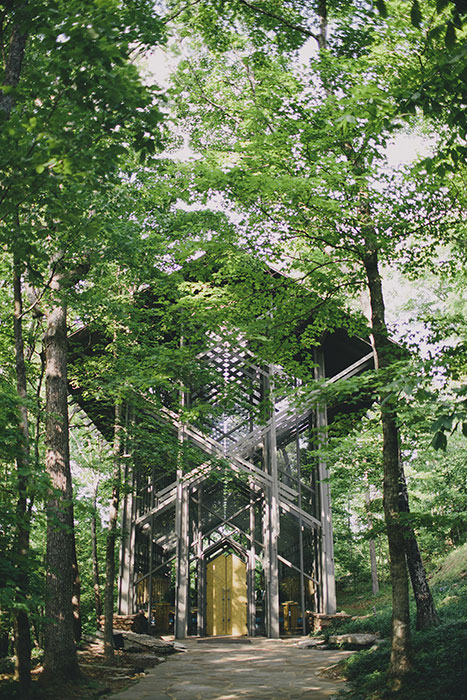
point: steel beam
(328, 586)
(127, 550)
(183, 572)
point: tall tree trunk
(95, 560)
(426, 611)
(373, 565)
(111, 538)
(60, 659)
(14, 63)
(22, 634)
(400, 663)
(76, 584)
(322, 37)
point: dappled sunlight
(260, 668)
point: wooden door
(226, 596)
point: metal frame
(240, 447)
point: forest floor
(270, 663)
(439, 669)
(99, 678)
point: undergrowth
(439, 654)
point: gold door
(226, 598)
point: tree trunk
(14, 62)
(323, 24)
(111, 538)
(95, 561)
(76, 585)
(400, 663)
(426, 611)
(22, 634)
(374, 568)
(373, 565)
(60, 659)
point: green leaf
(442, 423)
(382, 9)
(450, 37)
(441, 4)
(457, 21)
(439, 441)
(464, 429)
(415, 14)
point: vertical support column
(152, 504)
(272, 500)
(151, 565)
(127, 549)
(251, 567)
(182, 578)
(300, 531)
(266, 558)
(201, 623)
(328, 586)
(181, 530)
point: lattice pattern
(244, 479)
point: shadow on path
(259, 669)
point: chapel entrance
(226, 596)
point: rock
(118, 641)
(133, 623)
(146, 660)
(179, 647)
(134, 649)
(353, 640)
(320, 621)
(311, 643)
(98, 634)
(145, 642)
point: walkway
(264, 669)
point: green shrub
(380, 621)
(438, 667)
(438, 653)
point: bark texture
(22, 635)
(371, 544)
(426, 611)
(95, 562)
(400, 663)
(76, 585)
(14, 62)
(60, 660)
(111, 538)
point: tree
(60, 652)
(52, 89)
(112, 533)
(299, 155)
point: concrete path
(265, 669)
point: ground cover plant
(438, 667)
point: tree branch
(206, 98)
(170, 18)
(282, 20)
